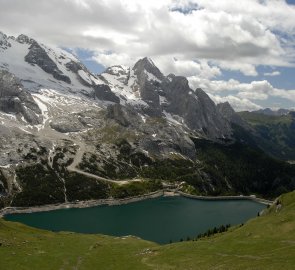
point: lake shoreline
(79, 204)
(113, 202)
(216, 198)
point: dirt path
(78, 158)
(53, 135)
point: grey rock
(75, 67)
(146, 64)
(122, 115)
(268, 111)
(104, 92)
(67, 124)
(23, 39)
(14, 99)
(228, 113)
(195, 107)
(122, 74)
(4, 43)
(197, 110)
(38, 56)
(149, 89)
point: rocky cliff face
(74, 128)
(38, 56)
(103, 92)
(226, 110)
(195, 107)
(14, 99)
(167, 96)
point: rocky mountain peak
(120, 72)
(226, 110)
(23, 39)
(38, 56)
(147, 67)
(14, 99)
(143, 87)
(268, 111)
(4, 43)
(117, 70)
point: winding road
(78, 158)
(47, 132)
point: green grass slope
(266, 242)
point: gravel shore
(110, 201)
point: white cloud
(245, 68)
(199, 42)
(287, 94)
(253, 95)
(274, 73)
(111, 59)
(241, 95)
(186, 67)
(238, 104)
(233, 37)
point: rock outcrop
(149, 79)
(226, 110)
(4, 43)
(38, 56)
(14, 99)
(103, 92)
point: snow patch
(84, 76)
(152, 77)
(175, 119)
(163, 100)
(143, 118)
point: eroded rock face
(4, 43)
(147, 65)
(75, 67)
(38, 56)
(195, 107)
(23, 39)
(103, 92)
(66, 124)
(226, 110)
(149, 79)
(172, 94)
(14, 99)
(122, 115)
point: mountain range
(68, 134)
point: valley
(265, 242)
(80, 148)
(123, 127)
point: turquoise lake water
(161, 220)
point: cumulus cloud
(274, 73)
(239, 104)
(242, 96)
(235, 37)
(195, 38)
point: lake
(161, 220)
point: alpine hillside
(67, 134)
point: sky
(237, 51)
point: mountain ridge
(127, 123)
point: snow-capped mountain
(166, 96)
(67, 134)
(37, 65)
(59, 118)
(143, 86)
